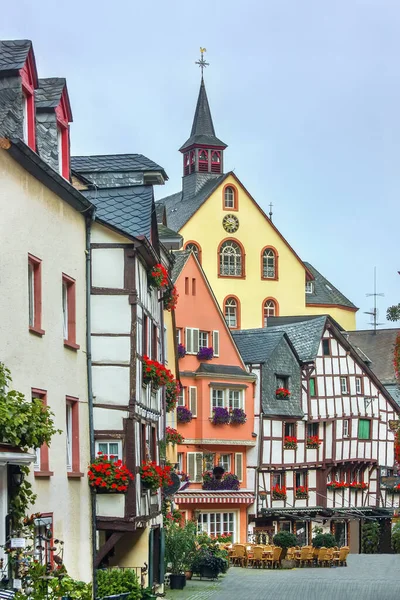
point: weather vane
(202, 63)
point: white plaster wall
(104, 235)
(110, 314)
(111, 349)
(34, 220)
(104, 418)
(108, 267)
(110, 385)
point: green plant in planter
(180, 546)
(326, 540)
(285, 540)
(396, 538)
(370, 537)
(118, 581)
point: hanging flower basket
(183, 414)
(394, 490)
(278, 492)
(172, 436)
(153, 476)
(220, 416)
(155, 373)
(158, 277)
(290, 442)
(228, 481)
(170, 298)
(313, 442)
(172, 389)
(108, 476)
(302, 492)
(282, 393)
(181, 351)
(238, 416)
(205, 354)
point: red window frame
(238, 316)
(63, 129)
(215, 164)
(235, 198)
(75, 470)
(36, 264)
(70, 284)
(28, 92)
(193, 243)
(276, 264)
(275, 301)
(44, 468)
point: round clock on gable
(230, 223)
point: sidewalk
(195, 590)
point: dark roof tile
(180, 259)
(121, 163)
(376, 348)
(13, 54)
(325, 292)
(48, 94)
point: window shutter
(215, 335)
(191, 466)
(162, 554)
(193, 400)
(199, 466)
(239, 465)
(195, 333)
(151, 557)
(189, 340)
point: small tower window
(230, 198)
(215, 162)
(203, 161)
(269, 310)
(192, 161)
(186, 163)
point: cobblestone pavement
(367, 577)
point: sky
(306, 93)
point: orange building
(215, 410)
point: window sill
(74, 474)
(43, 474)
(36, 331)
(231, 276)
(71, 345)
(269, 278)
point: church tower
(203, 151)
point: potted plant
(158, 277)
(170, 298)
(205, 354)
(155, 373)
(220, 416)
(153, 476)
(302, 492)
(278, 492)
(180, 549)
(326, 540)
(172, 436)
(238, 416)
(290, 442)
(172, 389)
(313, 441)
(285, 540)
(109, 478)
(183, 414)
(282, 393)
(181, 351)
(209, 561)
(228, 481)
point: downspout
(90, 391)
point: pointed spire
(203, 128)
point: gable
(200, 310)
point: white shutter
(239, 465)
(195, 340)
(199, 466)
(191, 465)
(193, 400)
(215, 337)
(189, 340)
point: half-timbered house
(325, 438)
(126, 325)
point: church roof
(325, 292)
(203, 131)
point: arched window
(195, 248)
(230, 259)
(229, 197)
(270, 309)
(192, 161)
(269, 264)
(216, 162)
(231, 311)
(203, 160)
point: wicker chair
(306, 556)
(275, 559)
(342, 558)
(291, 553)
(325, 557)
(239, 556)
(256, 559)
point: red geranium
(155, 476)
(107, 474)
(158, 276)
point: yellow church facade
(254, 272)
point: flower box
(228, 481)
(237, 416)
(172, 436)
(394, 490)
(205, 354)
(313, 442)
(220, 416)
(278, 492)
(282, 393)
(301, 492)
(158, 277)
(110, 505)
(109, 476)
(181, 351)
(290, 442)
(183, 414)
(153, 476)
(339, 485)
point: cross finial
(202, 63)
(270, 211)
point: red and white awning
(200, 497)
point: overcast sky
(306, 93)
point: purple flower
(205, 354)
(183, 414)
(220, 416)
(238, 416)
(181, 351)
(229, 481)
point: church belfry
(203, 151)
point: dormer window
(63, 149)
(309, 287)
(28, 106)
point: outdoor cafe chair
(306, 556)
(325, 556)
(256, 558)
(274, 559)
(240, 555)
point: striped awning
(200, 497)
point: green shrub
(370, 537)
(180, 546)
(326, 540)
(118, 581)
(284, 539)
(396, 538)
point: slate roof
(13, 54)
(180, 210)
(120, 163)
(160, 213)
(257, 345)
(180, 259)
(394, 391)
(48, 94)
(128, 209)
(203, 131)
(325, 292)
(222, 369)
(377, 348)
(166, 233)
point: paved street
(375, 577)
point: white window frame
(232, 402)
(179, 336)
(358, 385)
(37, 463)
(344, 388)
(192, 340)
(269, 264)
(309, 287)
(230, 310)
(225, 398)
(60, 149)
(25, 118)
(207, 521)
(217, 398)
(118, 454)
(65, 309)
(68, 434)
(203, 337)
(179, 458)
(229, 197)
(225, 461)
(181, 397)
(346, 428)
